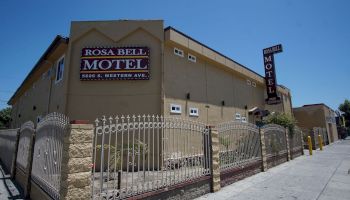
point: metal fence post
(30, 164)
(13, 168)
(263, 150)
(215, 165)
(287, 145)
(75, 180)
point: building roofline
(315, 104)
(189, 37)
(54, 44)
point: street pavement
(8, 189)
(324, 175)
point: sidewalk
(8, 189)
(324, 175)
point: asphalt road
(324, 175)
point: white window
(174, 108)
(60, 69)
(178, 52)
(249, 82)
(192, 58)
(244, 119)
(238, 116)
(253, 84)
(194, 112)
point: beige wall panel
(116, 29)
(219, 84)
(178, 38)
(90, 107)
(220, 59)
(85, 98)
(309, 117)
(209, 53)
(182, 76)
(194, 46)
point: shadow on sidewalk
(12, 188)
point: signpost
(118, 63)
(270, 74)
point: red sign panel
(119, 63)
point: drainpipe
(50, 86)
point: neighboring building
(341, 128)
(160, 71)
(317, 115)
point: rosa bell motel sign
(270, 74)
(116, 63)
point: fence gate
(275, 143)
(239, 144)
(138, 154)
(47, 156)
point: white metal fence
(239, 144)
(46, 168)
(24, 145)
(275, 139)
(8, 140)
(137, 154)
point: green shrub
(282, 119)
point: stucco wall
(91, 99)
(316, 116)
(41, 92)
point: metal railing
(137, 154)
(24, 145)
(8, 140)
(46, 168)
(239, 144)
(275, 139)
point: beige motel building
(317, 115)
(139, 67)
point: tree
(5, 117)
(345, 108)
(285, 120)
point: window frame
(194, 114)
(58, 69)
(192, 58)
(238, 116)
(182, 54)
(175, 111)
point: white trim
(238, 116)
(244, 119)
(179, 52)
(192, 58)
(194, 112)
(175, 108)
(249, 82)
(57, 70)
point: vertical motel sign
(270, 74)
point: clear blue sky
(315, 35)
